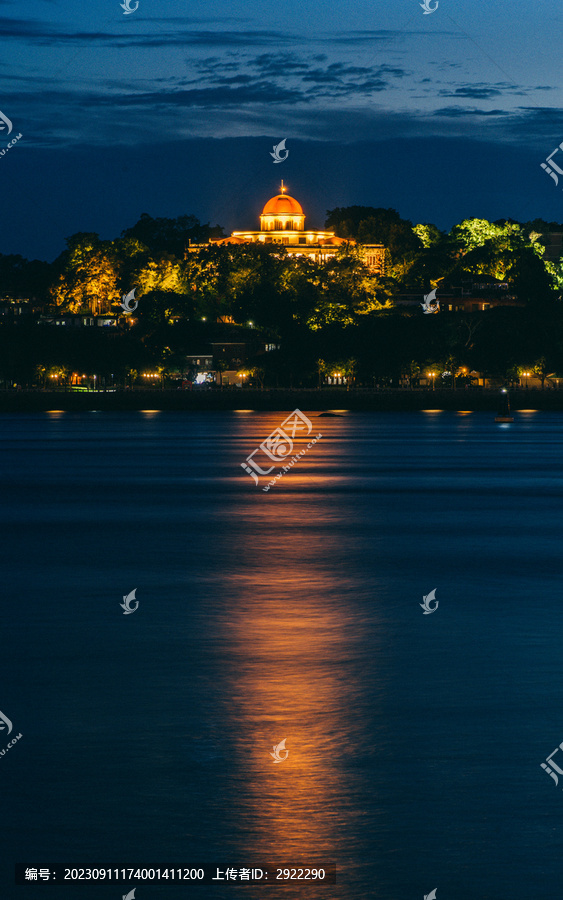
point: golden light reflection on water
(289, 636)
(287, 683)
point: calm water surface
(414, 741)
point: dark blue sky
(441, 116)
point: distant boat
(504, 411)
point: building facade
(283, 222)
(475, 293)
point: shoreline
(277, 401)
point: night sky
(441, 116)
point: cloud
(367, 37)
(30, 29)
(456, 112)
(336, 79)
(474, 93)
(482, 91)
(254, 92)
(36, 31)
(225, 39)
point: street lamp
(433, 377)
(526, 376)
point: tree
(429, 234)
(257, 372)
(375, 225)
(20, 278)
(350, 368)
(88, 280)
(542, 370)
(221, 365)
(246, 281)
(346, 289)
(171, 236)
(451, 365)
(472, 233)
(322, 369)
(412, 370)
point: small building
(553, 242)
(79, 320)
(14, 307)
(475, 293)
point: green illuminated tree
(429, 234)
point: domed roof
(282, 205)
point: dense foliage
(324, 317)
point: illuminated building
(283, 222)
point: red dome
(282, 205)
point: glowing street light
(526, 376)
